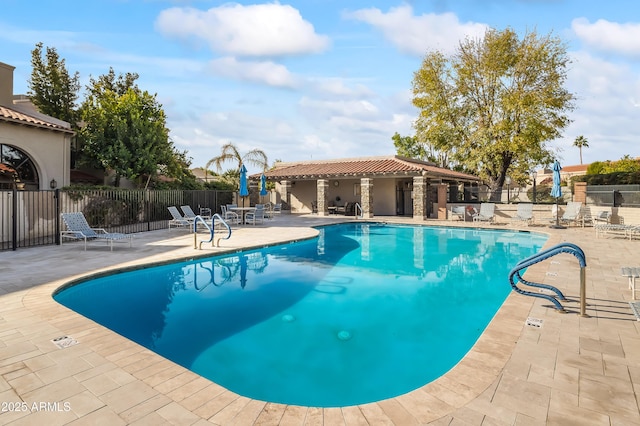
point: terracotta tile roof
(361, 167)
(575, 169)
(13, 116)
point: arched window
(17, 170)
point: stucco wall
(384, 194)
(384, 197)
(49, 150)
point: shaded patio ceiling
(389, 166)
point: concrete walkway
(571, 370)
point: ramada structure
(386, 186)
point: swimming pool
(362, 313)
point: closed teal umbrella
(244, 187)
(556, 191)
(263, 185)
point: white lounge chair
(78, 228)
(177, 220)
(603, 217)
(189, 214)
(524, 213)
(486, 213)
(458, 212)
(572, 212)
(554, 214)
(255, 216)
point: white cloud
(331, 87)
(609, 36)
(264, 30)
(266, 72)
(605, 113)
(417, 34)
(326, 108)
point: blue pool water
(361, 313)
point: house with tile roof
(388, 186)
(35, 149)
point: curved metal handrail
(224, 223)
(515, 275)
(356, 208)
(211, 230)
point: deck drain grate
(64, 342)
(534, 322)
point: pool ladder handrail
(544, 255)
(211, 230)
(356, 208)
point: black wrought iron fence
(32, 218)
(614, 195)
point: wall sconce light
(53, 184)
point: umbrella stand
(557, 225)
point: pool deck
(571, 370)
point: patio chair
(586, 218)
(189, 214)
(255, 216)
(177, 220)
(554, 214)
(457, 212)
(229, 216)
(524, 213)
(78, 228)
(572, 212)
(603, 217)
(486, 213)
(348, 209)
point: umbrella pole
(557, 225)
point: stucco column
(580, 192)
(285, 194)
(442, 201)
(419, 197)
(366, 197)
(254, 193)
(322, 197)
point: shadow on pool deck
(571, 370)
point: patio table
(242, 211)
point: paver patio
(570, 371)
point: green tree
(597, 167)
(626, 164)
(409, 146)
(495, 103)
(125, 129)
(230, 153)
(51, 88)
(581, 142)
(54, 91)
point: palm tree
(580, 142)
(230, 152)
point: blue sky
(318, 79)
